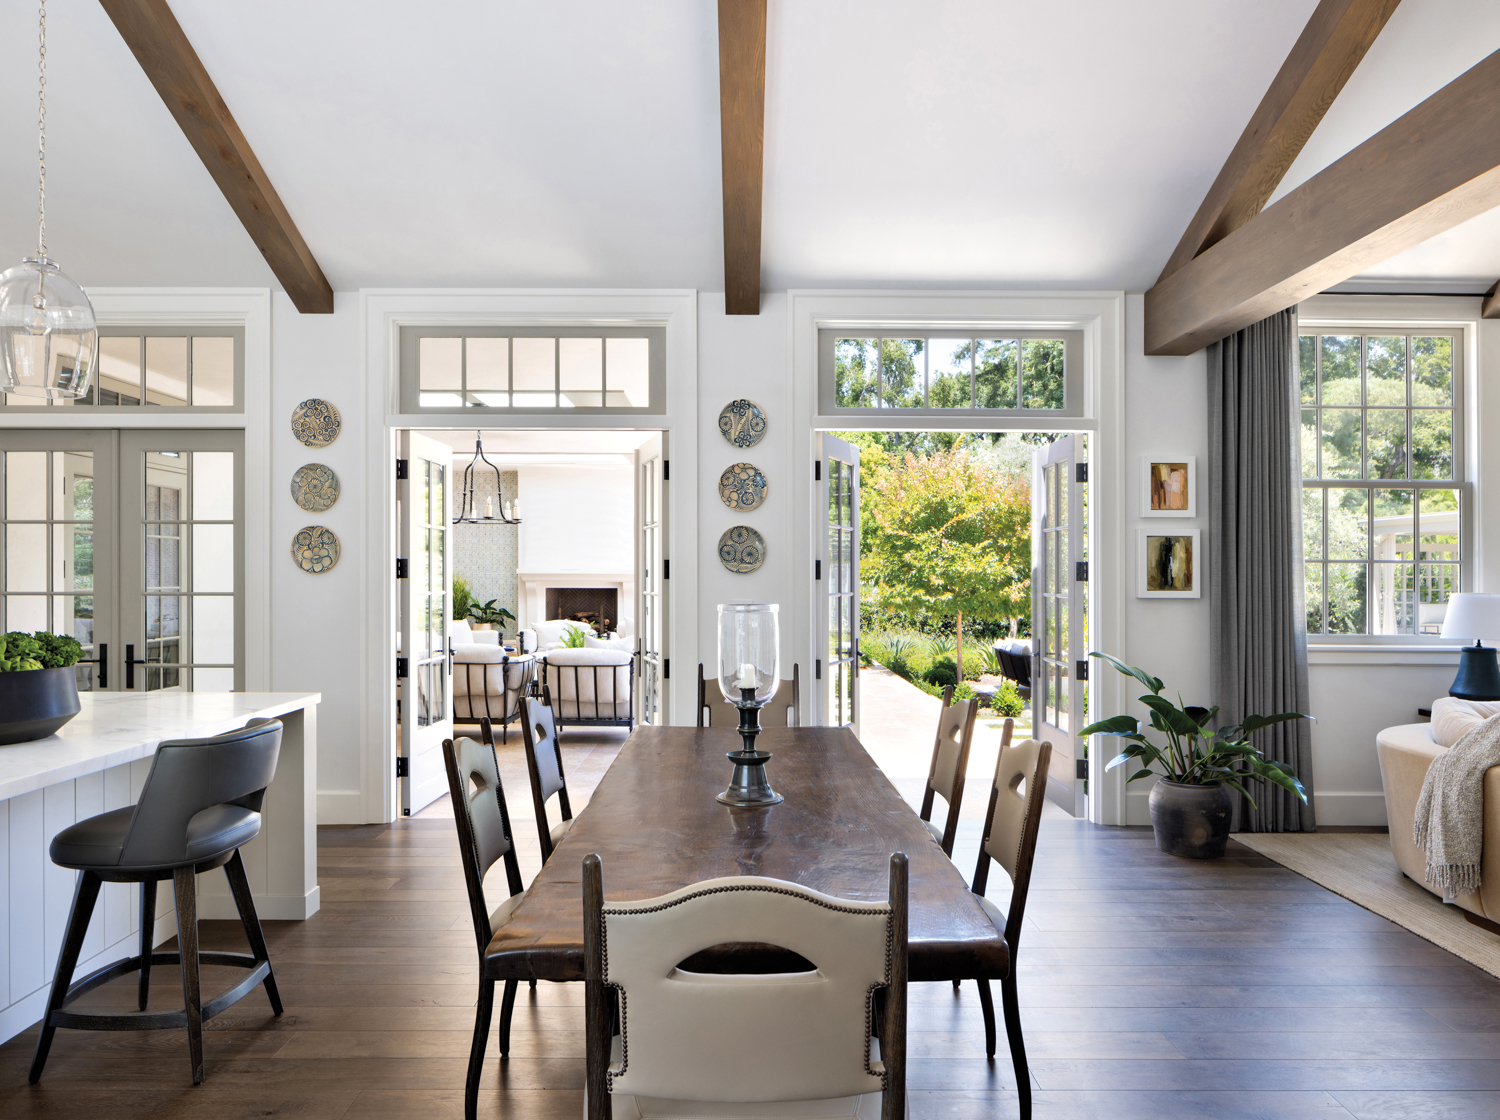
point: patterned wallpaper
(485, 555)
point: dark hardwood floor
(1152, 989)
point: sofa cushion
(549, 634)
(588, 657)
(1453, 718)
(591, 642)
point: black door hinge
(401, 567)
(1083, 670)
(400, 668)
(1082, 572)
(403, 766)
(817, 669)
(666, 470)
(400, 469)
(1083, 472)
(666, 569)
(817, 470)
(1081, 772)
(666, 668)
(817, 569)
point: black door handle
(130, 664)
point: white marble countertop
(119, 727)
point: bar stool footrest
(156, 1020)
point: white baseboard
(1340, 808)
(270, 907)
(341, 806)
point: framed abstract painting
(1169, 487)
(1171, 565)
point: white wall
(319, 630)
(578, 518)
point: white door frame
(384, 313)
(1101, 317)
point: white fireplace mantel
(532, 600)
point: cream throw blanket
(1449, 826)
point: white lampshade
(1473, 617)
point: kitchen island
(98, 762)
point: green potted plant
(463, 598)
(488, 615)
(1191, 804)
(38, 689)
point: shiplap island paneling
(99, 761)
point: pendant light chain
(41, 128)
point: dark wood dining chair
(484, 838)
(950, 765)
(544, 762)
(778, 713)
(1010, 830)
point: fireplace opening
(599, 607)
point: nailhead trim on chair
(890, 962)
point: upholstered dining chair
(681, 1047)
(1010, 830)
(200, 805)
(484, 838)
(544, 762)
(950, 764)
(784, 710)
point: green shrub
(940, 646)
(463, 598)
(941, 672)
(901, 667)
(1007, 701)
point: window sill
(1371, 654)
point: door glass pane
(26, 558)
(213, 557)
(213, 629)
(26, 612)
(25, 485)
(213, 486)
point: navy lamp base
(1478, 673)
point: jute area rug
(1359, 866)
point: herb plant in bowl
(1191, 804)
(38, 692)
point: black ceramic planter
(1191, 821)
(36, 702)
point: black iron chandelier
(468, 511)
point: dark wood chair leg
(533, 985)
(148, 936)
(987, 1005)
(482, 1013)
(507, 1008)
(244, 901)
(1012, 1008)
(956, 985)
(85, 894)
(185, 892)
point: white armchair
(590, 686)
(489, 683)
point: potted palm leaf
(488, 615)
(1191, 804)
(38, 690)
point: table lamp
(749, 673)
(1473, 616)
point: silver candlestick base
(748, 787)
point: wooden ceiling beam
(1490, 309)
(1325, 54)
(742, 110)
(1438, 166)
(156, 39)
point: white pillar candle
(488, 508)
(747, 677)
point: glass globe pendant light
(49, 338)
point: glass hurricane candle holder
(749, 674)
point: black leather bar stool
(201, 803)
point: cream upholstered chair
(592, 687)
(784, 710)
(484, 839)
(786, 1045)
(488, 683)
(1010, 830)
(544, 762)
(950, 764)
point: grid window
(516, 369)
(1384, 499)
(164, 367)
(950, 370)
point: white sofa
(590, 686)
(487, 681)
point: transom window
(1384, 499)
(513, 369)
(956, 371)
(165, 367)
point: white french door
(651, 571)
(131, 542)
(423, 672)
(836, 581)
(1059, 598)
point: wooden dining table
(655, 824)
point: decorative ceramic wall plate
(742, 423)
(316, 422)
(742, 549)
(742, 486)
(315, 549)
(315, 487)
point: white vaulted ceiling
(485, 143)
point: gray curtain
(1259, 635)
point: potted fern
(1191, 804)
(38, 689)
